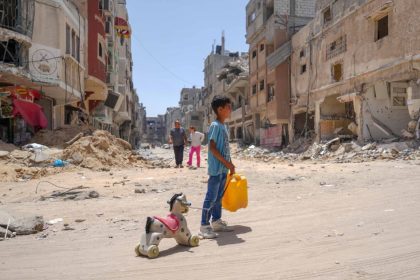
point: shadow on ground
(231, 237)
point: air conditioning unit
(113, 100)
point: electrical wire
(161, 64)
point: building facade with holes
(270, 25)
(355, 70)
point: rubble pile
(336, 151)
(153, 161)
(58, 137)
(234, 69)
(22, 165)
(100, 150)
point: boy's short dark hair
(219, 101)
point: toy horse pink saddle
(171, 222)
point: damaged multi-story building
(355, 70)
(235, 76)
(270, 25)
(56, 59)
(189, 116)
(214, 62)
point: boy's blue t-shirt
(218, 133)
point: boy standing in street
(178, 138)
(196, 139)
(219, 163)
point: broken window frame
(13, 52)
(336, 47)
(398, 97)
(18, 16)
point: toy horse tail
(149, 222)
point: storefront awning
(32, 113)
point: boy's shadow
(231, 237)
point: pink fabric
(192, 151)
(171, 222)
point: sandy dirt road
(309, 220)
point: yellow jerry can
(236, 193)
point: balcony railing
(17, 15)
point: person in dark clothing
(178, 138)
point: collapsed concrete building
(355, 71)
(235, 76)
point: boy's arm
(229, 165)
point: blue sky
(171, 39)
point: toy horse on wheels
(174, 225)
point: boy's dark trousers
(179, 154)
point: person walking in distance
(196, 139)
(178, 138)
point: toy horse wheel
(194, 240)
(137, 250)
(153, 251)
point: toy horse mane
(172, 200)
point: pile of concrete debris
(100, 150)
(336, 151)
(59, 137)
(27, 163)
(234, 69)
(151, 160)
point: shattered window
(13, 52)
(399, 101)
(17, 15)
(337, 47)
(399, 96)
